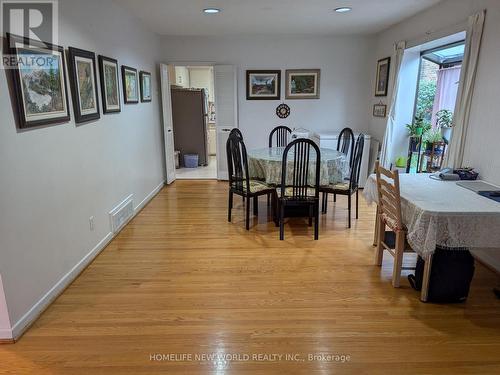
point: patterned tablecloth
(265, 164)
(441, 213)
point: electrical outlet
(91, 223)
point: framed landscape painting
(302, 83)
(110, 91)
(263, 84)
(130, 83)
(145, 80)
(83, 78)
(382, 81)
(39, 82)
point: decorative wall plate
(283, 110)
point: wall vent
(121, 214)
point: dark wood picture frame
(143, 74)
(382, 108)
(102, 76)
(73, 55)
(382, 78)
(310, 72)
(126, 99)
(34, 47)
(275, 96)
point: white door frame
(213, 65)
(168, 130)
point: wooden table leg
(424, 294)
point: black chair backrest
(237, 132)
(281, 136)
(345, 143)
(356, 163)
(237, 163)
(301, 178)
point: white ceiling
(252, 17)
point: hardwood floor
(180, 279)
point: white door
(168, 129)
(226, 108)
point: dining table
(265, 164)
(442, 214)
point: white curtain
(446, 91)
(387, 144)
(466, 90)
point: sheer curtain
(446, 91)
(466, 90)
(387, 144)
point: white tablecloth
(265, 164)
(441, 213)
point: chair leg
(275, 210)
(230, 206)
(349, 206)
(379, 253)
(247, 218)
(334, 198)
(316, 222)
(357, 204)
(398, 258)
(375, 232)
(282, 221)
(325, 209)
(323, 203)
(256, 205)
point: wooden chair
(281, 133)
(349, 187)
(303, 190)
(239, 180)
(389, 216)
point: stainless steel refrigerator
(189, 114)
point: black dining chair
(345, 143)
(239, 180)
(347, 187)
(237, 132)
(281, 133)
(302, 190)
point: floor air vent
(121, 214)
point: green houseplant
(445, 122)
(432, 136)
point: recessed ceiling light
(211, 10)
(343, 9)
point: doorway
(194, 121)
(213, 90)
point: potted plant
(432, 136)
(416, 130)
(445, 123)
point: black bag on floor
(451, 275)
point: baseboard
(6, 336)
(32, 315)
(148, 198)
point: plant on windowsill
(416, 130)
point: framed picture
(130, 83)
(382, 81)
(380, 110)
(302, 83)
(40, 86)
(263, 84)
(145, 80)
(110, 91)
(83, 80)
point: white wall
(482, 149)
(5, 326)
(345, 63)
(54, 178)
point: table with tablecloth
(265, 164)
